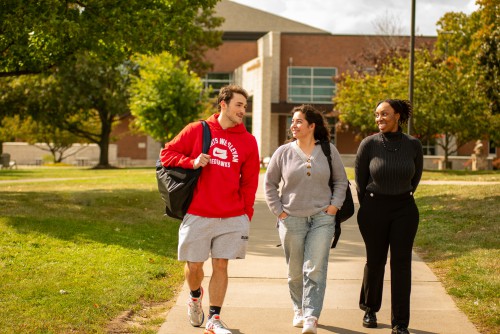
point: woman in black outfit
(388, 169)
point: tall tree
(15, 102)
(64, 37)
(447, 103)
(165, 96)
(53, 108)
(357, 96)
(473, 40)
(487, 44)
(450, 107)
(87, 99)
(37, 36)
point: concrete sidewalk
(257, 300)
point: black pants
(388, 221)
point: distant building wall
(230, 55)
(84, 155)
(129, 145)
(431, 162)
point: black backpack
(176, 184)
(348, 207)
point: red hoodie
(227, 185)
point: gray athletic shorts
(222, 238)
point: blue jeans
(306, 242)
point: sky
(359, 17)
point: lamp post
(412, 63)
(446, 42)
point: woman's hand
(282, 215)
(332, 210)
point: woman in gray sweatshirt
(306, 208)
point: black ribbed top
(388, 164)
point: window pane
(325, 72)
(311, 85)
(294, 81)
(218, 76)
(299, 91)
(429, 147)
(216, 81)
(323, 82)
(429, 150)
(300, 71)
(328, 91)
(217, 85)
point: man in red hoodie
(217, 222)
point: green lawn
(462, 175)
(79, 247)
(75, 254)
(458, 238)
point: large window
(429, 147)
(311, 84)
(217, 81)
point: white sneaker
(195, 310)
(310, 325)
(298, 319)
(216, 326)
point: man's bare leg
(217, 289)
(218, 283)
(193, 271)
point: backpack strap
(207, 137)
(325, 146)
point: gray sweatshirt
(303, 195)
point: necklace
(395, 149)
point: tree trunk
(104, 144)
(446, 143)
(103, 152)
